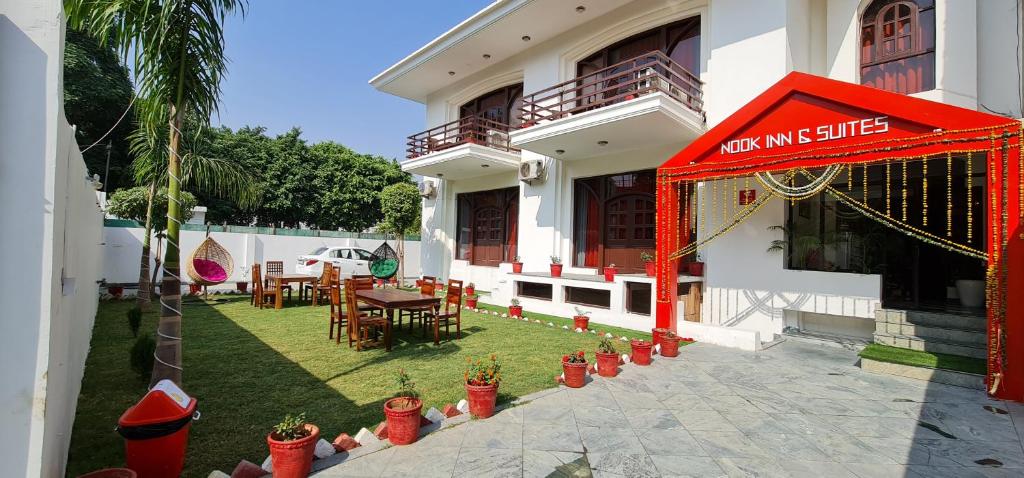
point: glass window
(898, 45)
(361, 255)
(340, 254)
(487, 226)
(614, 220)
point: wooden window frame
(877, 22)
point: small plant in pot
(517, 265)
(403, 412)
(556, 266)
(607, 358)
(574, 369)
(670, 344)
(580, 320)
(649, 266)
(609, 273)
(482, 379)
(515, 310)
(243, 286)
(696, 268)
(291, 446)
(470, 288)
(657, 334)
(195, 289)
(641, 352)
(116, 291)
(471, 301)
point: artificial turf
(249, 367)
(885, 353)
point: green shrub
(291, 428)
(142, 356)
(134, 320)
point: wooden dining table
(282, 279)
(391, 299)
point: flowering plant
(606, 346)
(576, 357)
(480, 372)
(514, 302)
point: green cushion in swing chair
(384, 268)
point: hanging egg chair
(209, 264)
(385, 262)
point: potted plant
(649, 266)
(470, 289)
(556, 266)
(696, 268)
(471, 301)
(670, 344)
(656, 334)
(403, 412)
(574, 369)
(291, 446)
(116, 291)
(243, 285)
(607, 358)
(580, 320)
(609, 273)
(641, 352)
(195, 289)
(515, 310)
(482, 379)
(517, 265)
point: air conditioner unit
(428, 189)
(532, 170)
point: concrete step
(932, 345)
(943, 320)
(942, 334)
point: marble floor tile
(498, 463)
(551, 438)
(687, 466)
(669, 441)
(555, 464)
(609, 439)
(622, 463)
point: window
(501, 105)
(487, 226)
(614, 220)
(897, 50)
(534, 290)
(679, 40)
(590, 297)
(340, 254)
(361, 255)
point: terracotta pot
(696, 269)
(419, 282)
(111, 473)
(657, 334)
(481, 399)
(515, 311)
(670, 346)
(242, 286)
(470, 290)
(580, 322)
(380, 282)
(293, 459)
(650, 268)
(575, 374)
(195, 289)
(607, 364)
(517, 267)
(641, 352)
(556, 270)
(116, 291)
(403, 425)
(609, 273)
(471, 302)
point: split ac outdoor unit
(428, 189)
(532, 170)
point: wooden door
(488, 236)
(629, 230)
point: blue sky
(307, 63)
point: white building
(596, 94)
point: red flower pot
(657, 334)
(293, 459)
(696, 268)
(116, 291)
(650, 268)
(380, 282)
(242, 286)
(580, 322)
(404, 423)
(481, 399)
(575, 374)
(641, 352)
(607, 364)
(670, 346)
(470, 290)
(515, 311)
(609, 273)
(556, 270)
(419, 282)
(195, 289)
(471, 302)
(517, 267)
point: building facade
(547, 120)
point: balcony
(469, 147)
(644, 101)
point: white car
(351, 260)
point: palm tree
(177, 48)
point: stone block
(434, 415)
(247, 469)
(893, 328)
(344, 442)
(366, 438)
(268, 464)
(917, 345)
(218, 474)
(323, 449)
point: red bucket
(607, 364)
(575, 374)
(293, 459)
(481, 399)
(641, 352)
(155, 431)
(403, 425)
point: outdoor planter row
(574, 366)
(695, 268)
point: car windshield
(318, 251)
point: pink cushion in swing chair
(209, 270)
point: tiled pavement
(794, 410)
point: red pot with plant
(657, 334)
(609, 273)
(580, 320)
(556, 266)
(641, 352)
(607, 358)
(695, 268)
(115, 291)
(517, 265)
(291, 446)
(471, 301)
(515, 310)
(670, 344)
(574, 369)
(380, 282)
(403, 412)
(648, 261)
(195, 289)
(470, 289)
(419, 282)
(482, 379)
(242, 286)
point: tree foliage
(131, 204)
(400, 205)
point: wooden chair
(323, 285)
(427, 286)
(365, 282)
(260, 291)
(338, 315)
(276, 268)
(362, 325)
(452, 300)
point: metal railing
(624, 81)
(468, 130)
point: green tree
(350, 184)
(97, 92)
(400, 204)
(178, 52)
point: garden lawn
(915, 358)
(249, 367)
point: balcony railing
(647, 73)
(468, 130)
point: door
(488, 236)
(629, 230)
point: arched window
(898, 45)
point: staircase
(937, 332)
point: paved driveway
(792, 410)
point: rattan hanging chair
(210, 263)
(385, 262)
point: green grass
(250, 367)
(885, 353)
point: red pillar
(668, 241)
(1010, 265)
